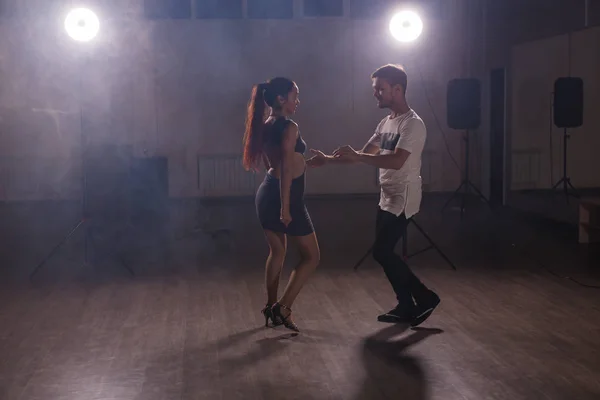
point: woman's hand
(318, 160)
(285, 217)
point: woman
(278, 145)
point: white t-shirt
(401, 190)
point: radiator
(224, 176)
(526, 168)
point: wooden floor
(515, 332)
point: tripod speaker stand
(405, 255)
(464, 113)
(466, 184)
(568, 113)
(568, 188)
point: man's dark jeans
(406, 285)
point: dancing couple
(395, 148)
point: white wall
(537, 145)
(180, 88)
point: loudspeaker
(568, 102)
(464, 104)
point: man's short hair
(393, 74)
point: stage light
(406, 26)
(82, 24)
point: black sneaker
(425, 308)
(399, 315)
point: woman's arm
(288, 144)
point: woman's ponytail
(255, 124)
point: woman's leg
(310, 257)
(277, 248)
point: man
(395, 148)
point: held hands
(318, 160)
(285, 217)
(346, 153)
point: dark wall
(516, 21)
(512, 22)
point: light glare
(82, 24)
(406, 26)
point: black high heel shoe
(279, 319)
(268, 313)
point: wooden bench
(589, 220)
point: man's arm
(369, 148)
(395, 160)
(412, 136)
(371, 157)
(320, 159)
(331, 160)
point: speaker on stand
(464, 113)
(567, 113)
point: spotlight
(406, 26)
(82, 24)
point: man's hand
(344, 150)
(318, 160)
(346, 153)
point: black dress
(268, 195)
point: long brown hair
(263, 95)
(255, 125)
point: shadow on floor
(390, 370)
